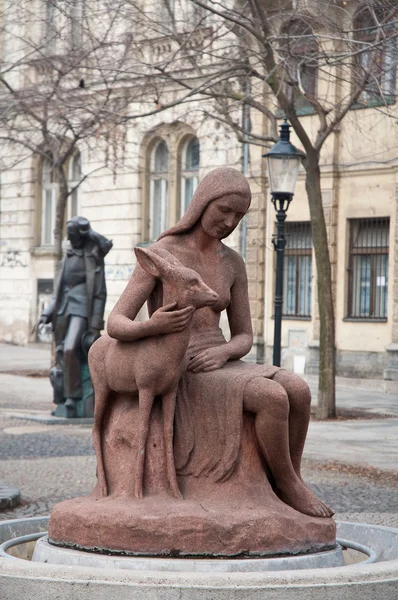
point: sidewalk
(25, 359)
(370, 440)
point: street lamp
(284, 161)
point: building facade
(166, 155)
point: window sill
(294, 318)
(145, 244)
(43, 251)
(301, 111)
(365, 320)
(374, 103)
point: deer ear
(146, 262)
(151, 263)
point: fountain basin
(21, 578)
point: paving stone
(50, 463)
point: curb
(9, 496)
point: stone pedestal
(241, 516)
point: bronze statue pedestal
(80, 409)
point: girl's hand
(208, 360)
(167, 320)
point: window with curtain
(49, 194)
(376, 57)
(49, 201)
(52, 14)
(167, 10)
(159, 188)
(189, 171)
(299, 51)
(297, 288)
(197, 15)
(76, 23)
(74, 178)
(368, 268)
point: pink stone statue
(239, 428)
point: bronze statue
(76, 312)
(239, 428)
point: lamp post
(284, 161)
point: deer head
(184, 285)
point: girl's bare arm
(121, 323)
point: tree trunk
(62, 200)
(327, 352)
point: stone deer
(151, 366)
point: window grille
(368, 268)
(297, 272)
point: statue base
(241, 516)
(158, 526)
(81, 409)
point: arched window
(49, 201)
(376, 54)
(74, 178)
(299, 51)
(189, 171)
(159, 187)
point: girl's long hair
(216, 184)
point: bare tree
(61, 87)
(291, 58)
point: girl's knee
(297, 389)
(264, 395)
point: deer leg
(146, 399)
(101, 396)
(168, 408)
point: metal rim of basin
(23, 539)
(371, 554)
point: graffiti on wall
(118, 272)
(12, 259)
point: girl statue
(239, 428)
(218, 385)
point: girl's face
(223, 215)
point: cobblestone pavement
(50, 463)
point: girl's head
(220, 201)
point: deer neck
(169, 296)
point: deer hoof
(138, 494)
(175, 492)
